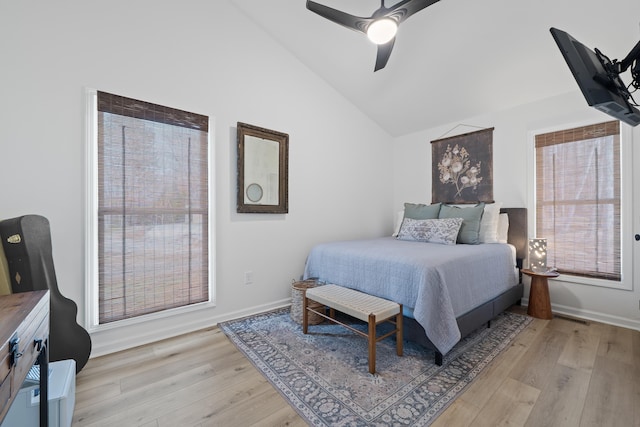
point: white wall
(513, 187)
(211, 60)
(612, 28)
(199, 56)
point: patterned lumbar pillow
(443, 231)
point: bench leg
(372, 344)
(399, 333)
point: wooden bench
(367, 308)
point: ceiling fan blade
(346, 20)
(399, 12)
(406, 8)
(384, 52)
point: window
(578, 199)
(151, 208)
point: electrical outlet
(248, 277)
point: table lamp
(538, 255)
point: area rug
(324, 375)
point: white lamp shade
(382, 30)
(538, 254)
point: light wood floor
(557, 373)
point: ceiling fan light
(382, 30)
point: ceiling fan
(380, 27)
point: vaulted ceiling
(455, 59)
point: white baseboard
(118, 339)
(592, 316)
(114, 340)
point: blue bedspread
(438, 282)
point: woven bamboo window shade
(578, 199)
(152, 208)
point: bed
(447, 291)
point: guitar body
(27, 246)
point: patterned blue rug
(324, 374)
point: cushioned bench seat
(368, 308)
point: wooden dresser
(24, 335)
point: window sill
(151, 317)
(579, 280)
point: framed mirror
(263, 169)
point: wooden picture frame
(263, 169)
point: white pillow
(503, 228)
(489, 223)
(398, 223)
(443, 231)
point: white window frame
(91, 229)
(626, 204)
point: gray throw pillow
(471, 217)
(444, 231)
(419, 211)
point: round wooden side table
(539, 301)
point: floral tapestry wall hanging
(462, 169)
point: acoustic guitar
(27, 246)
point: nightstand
(539, 301)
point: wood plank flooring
(558, 372)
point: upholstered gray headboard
(518, 230)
